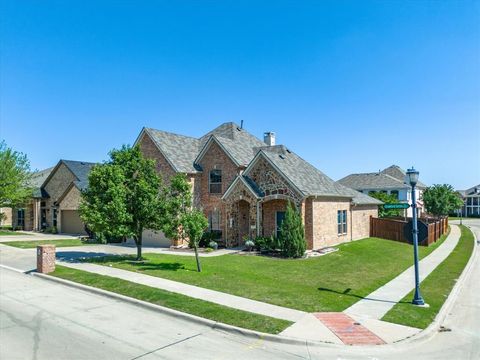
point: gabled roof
(398, 173)
(79, 169)
(249, 184)
(305, 177)
(372, 181)
(184, 152)
(392, 177)
(179, 150)
(37, 179)
(473, 191)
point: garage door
(71, 222)
(152, 238)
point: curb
(448, 304)
(178, 314)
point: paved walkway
(217, 297)
(379, 302)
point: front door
(243, 221)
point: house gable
(150, 150)
(58, 181)
(271, 180)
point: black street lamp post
(412, 176)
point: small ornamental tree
(292, 234)
(14, 177)
(194, 223)
(125, 196)
(440, 200)
(178, 202)
(386, 199)
(181, 219)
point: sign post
(396, 206)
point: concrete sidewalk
(379, 302)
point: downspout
(351, 221)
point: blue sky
(351, 86)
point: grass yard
(58, 243)
(179, 302)
(328, 283)
(10, 233)
(435, 288)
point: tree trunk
(199, 268)
(138, 242)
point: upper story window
(342, 222)
(215, 181)
(394, 193)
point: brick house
(243, 186)
(56, 198)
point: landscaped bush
(213, 245)
(292, 235)
(266, 244)
(209, 236)
(249, 244)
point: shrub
(249, 244)
(213, 245)
(267, 244)
(292, 236)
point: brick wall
(269, 215)
(150, 151)
(361, 220)
(71, 201)
(324, 224)
(58, 183)
(215, 158)
(8, 216)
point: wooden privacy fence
(429, 230)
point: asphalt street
(44, 320)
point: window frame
(218, 183)
(342, 228)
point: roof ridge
(171, 133)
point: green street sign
(396, 206)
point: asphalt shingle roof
(80, 169)
(308, 179)
(392, 177)
(37, 179)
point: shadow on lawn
(142, 265)
(347, 293)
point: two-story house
(471, 201)
(243, 185)
(390, 181)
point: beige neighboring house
(243, 185)
(7, 221)
(56, 199)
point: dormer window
(216, 181)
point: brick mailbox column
(45, 258)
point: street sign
(396, 206)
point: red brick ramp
(348, 330)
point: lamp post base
(420, 303)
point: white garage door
(71, 222)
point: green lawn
(435, 288)
(10, 233)
(328, 283)
(179, 302)
(58, 243)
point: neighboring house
(243, 186)
(471, 199)
(391, 181)
(6, 219)
(56, 199)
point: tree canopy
(14, 177)
(125, 196)
(387, 199)
(440, 200)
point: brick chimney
(269, 138)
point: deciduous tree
(125, 196)
(440, 200)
